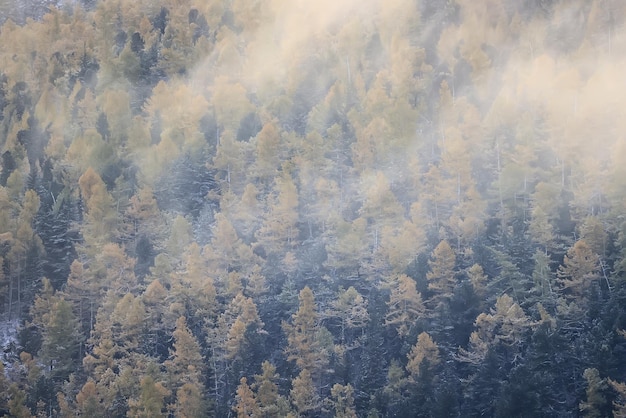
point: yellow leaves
(305, 346)
(441, 278)
(380, 204)
(478, 279)
(401, 245)
(100, 213)
(424, 353)
(580, 268)
(235, 338)
(187, 364)
(303, 394)
(279, 231)
(352, 307)
(405, 304)
(267, 151)
(619, 405)
(349, 245)
(246, 406)
(506, 324)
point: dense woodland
(375, 208)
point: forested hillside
(331, 208)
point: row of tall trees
(379, 208)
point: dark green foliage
(249, 127)
(160, 21)
(185, 186)
(8, 165)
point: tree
(17, 397)
(267, 153)
(381, 206)
(441, 278)
(266, 389)
(304, 346)
(505, 326)
(151, 401)
(351, 309)
(543, 276)
(190, 401)
(478, 279)
(89, 401)
(61, 341)
(279, 231)
(578, 271)
(405, 305)
(347, 245)
(424, 355)
(241, 317)
(186, 364)
(246, 406)
(596, 402)
(25, 254)
(83, 291)
(101, 217)
(343, 401)
(180, 238)
(619, 405)
(193, 288)
(4, 389)
(303, 394)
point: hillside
(280, 208)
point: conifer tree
(578, 271)
(61, 341)
(88, 401)
(186, 364)
(151, 400)
(405, 304)
(424, 354)
(266, 388)
(304, 346)
(246, 406)
(303, 394)
(343, 401)
(441, 278)
(101, 216)
(596, 401)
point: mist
(296, 208)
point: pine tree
(596, 401)
(441, 278)
(101, 217)
(405, 305)
(279, 231)
(17, 397)
(343, 401)
(190, 401)
(186, 364)
(89, 401)
(304, 395)
(424, 354)
(578, 271)
(304, 346)
(246, 406)
(351, 309)
(61, 341)
(266, 388)
(619, 405)
(151, 401)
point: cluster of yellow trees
(293, 208)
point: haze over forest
(332, 208)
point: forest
(295, 208)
